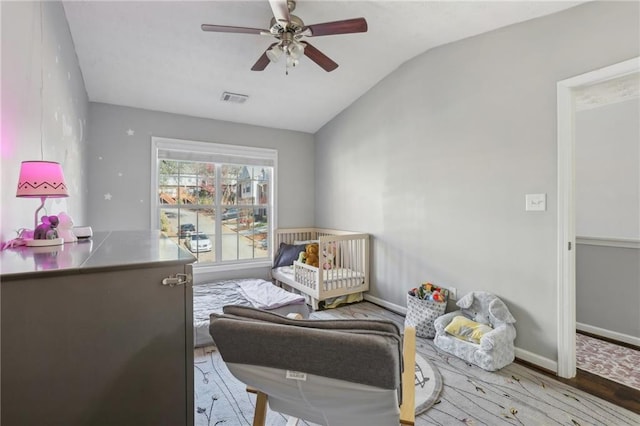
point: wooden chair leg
(408, 407)
(260, 415)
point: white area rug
(428, 383)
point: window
(215, 200)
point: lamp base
(43, 243)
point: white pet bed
(211, 297)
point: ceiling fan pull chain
(286, 62)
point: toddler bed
(342, 274)
(210, 298)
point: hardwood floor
(611, 391)
(614, 392)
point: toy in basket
(424, 305)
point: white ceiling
(153, 54)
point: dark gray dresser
(97, 332)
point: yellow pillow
(466, 329)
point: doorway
(566, 91)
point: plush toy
(328, 260)
(302, 257)
(436, 296)
(312, 255)
(65, 228)
(329, 255)
(485, 308)
(47, 229)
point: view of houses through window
(220, 212)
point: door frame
(566, 304)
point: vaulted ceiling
(154, 55)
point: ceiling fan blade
(262, 61)
(348, 26)
(238, 30)
(280, 10)
(319, 58)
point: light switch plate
(535, 202)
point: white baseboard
(535, 359)
(620, 337)
(390, 306)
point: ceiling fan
(289, 30)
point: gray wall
(607, 206)
(608, 288)
(63, 106)
(120, 163)
(435, 162)
(608, 171)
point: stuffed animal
(65, 228)
(329, 255)
(485, 308)
(328, 260)
(47, 229)
(312, 255)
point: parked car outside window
(230, 214)
(186, 229)
(198, 242)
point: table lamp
(41, 179)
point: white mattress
(212, 297)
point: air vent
(234, 98)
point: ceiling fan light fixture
(292, 62)
(274, 53)
(296, 49)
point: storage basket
(421, 313)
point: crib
(343, 271)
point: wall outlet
(453, 293)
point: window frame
(220, 153)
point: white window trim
(267, 154)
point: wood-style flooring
(609, 390)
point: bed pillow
(287, 253)
(466, 329)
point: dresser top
(104, 251)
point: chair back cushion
(358, 351)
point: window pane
(260, 233)
(189, 213)
(197, 232)
(205, 176)
(246, 235)
(229, 174)
(168, 222)
(168, 178)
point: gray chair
(329, 372)
(495, 349)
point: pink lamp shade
(41, 179)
